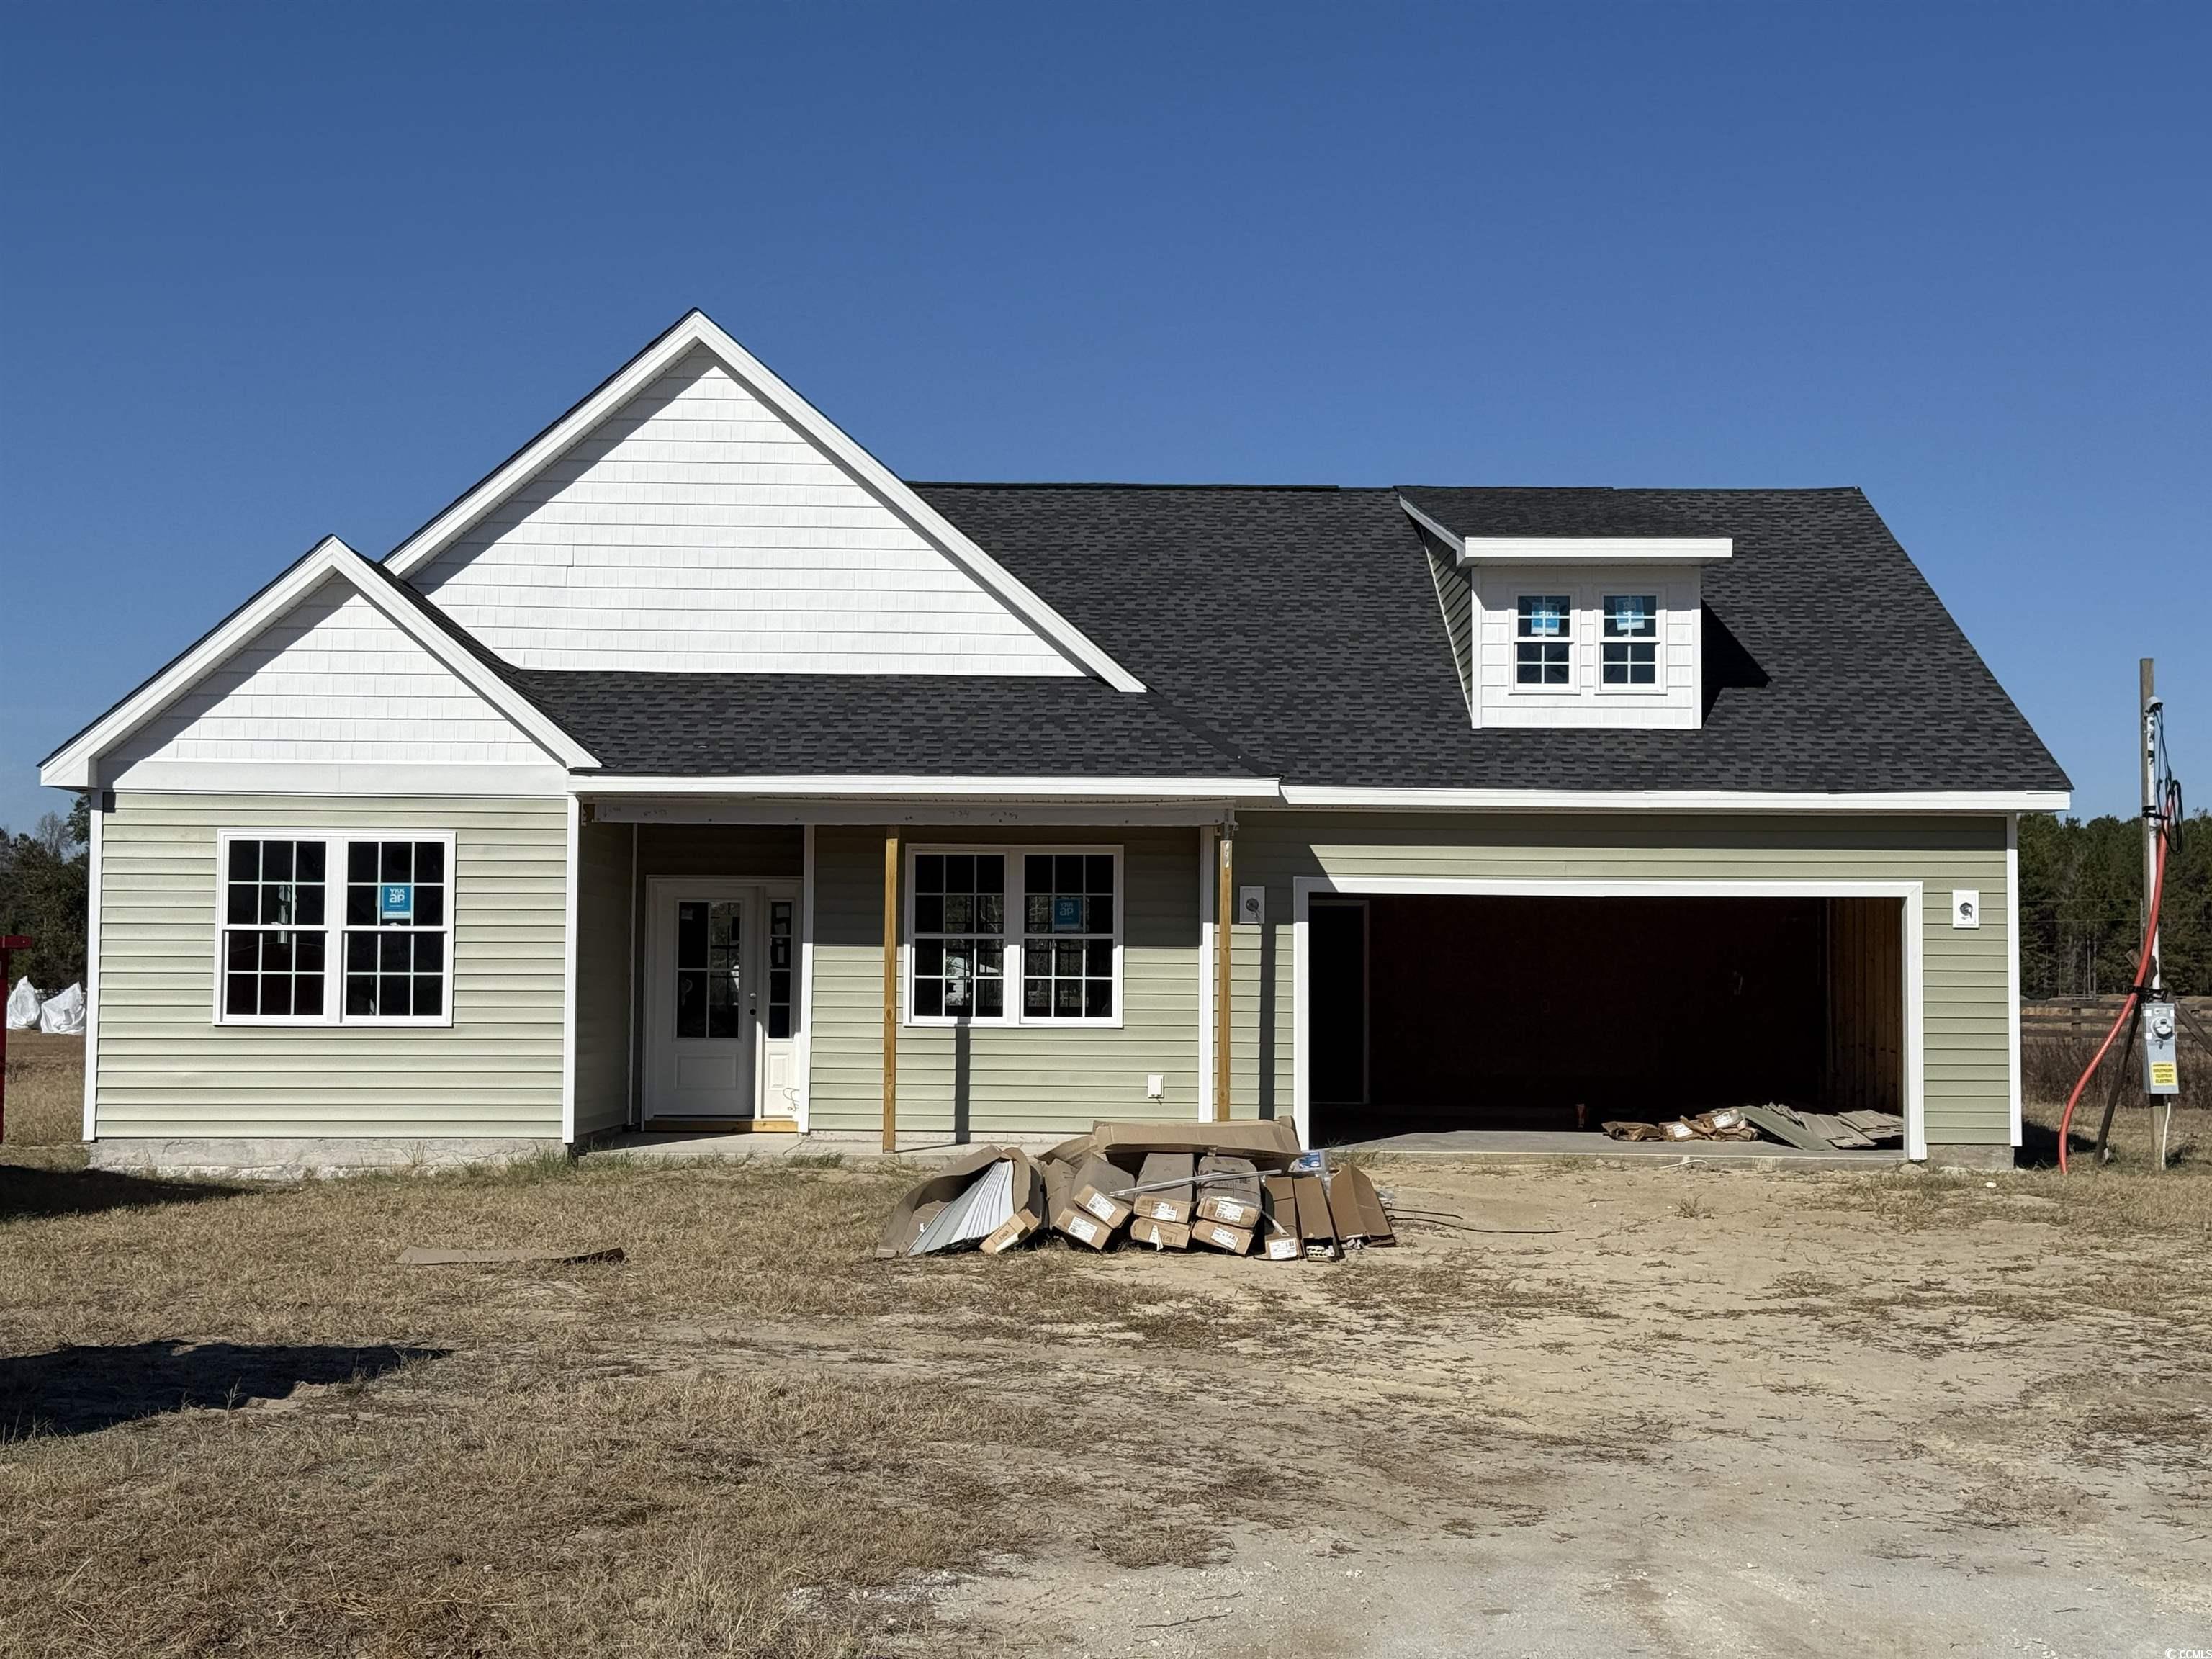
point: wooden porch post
(1225, 911)
(891, 988)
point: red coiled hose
(2134, 992)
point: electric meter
(2161, 1072)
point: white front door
(720, 999)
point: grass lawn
(234, 1426)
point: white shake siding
(332, 681)
(695, 530)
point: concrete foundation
(294, 1158)
(1969, 1158)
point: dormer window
(1630, 641)
(1544, 645)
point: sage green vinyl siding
(988, 1080)
(1965, 1032)
(603, 982)
(1455, 596)
(165, 1068)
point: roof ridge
(1108, 484)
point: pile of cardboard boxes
(1245, 1189)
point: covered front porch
(762, 976)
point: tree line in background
(2081, 899)
(44, 884)
(2081, 902)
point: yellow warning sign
(2164, 1075)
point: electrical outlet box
(1251, 905)
(2161, 1065)
(1966, 907)
(1156, 1086)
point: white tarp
(23, 1006)
(63, 1013)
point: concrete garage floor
(1520, 1145)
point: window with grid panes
(1543, 639)
(1067, 936)
(273, 935)
(395, 929)
(1630, 643)
(959, 935)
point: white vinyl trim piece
(1908, 893)
(694, 330)
(1596, 549)
(71, 766)
(805, 1053)
(569, 911)
(1458, 543)
(1208, 859)
(92, 988)
(2012, 976)
(266, 777)
(1670, 801)
(949, 787)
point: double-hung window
(334, 929)
(1015, 936)
(1543, 639)
(1630, 643)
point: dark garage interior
(1431, 1012)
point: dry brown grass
(46, 1095)
(230, 1423)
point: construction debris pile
(1809, 1132)
(1243, 1189)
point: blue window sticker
(1067, 915)
(395, 901)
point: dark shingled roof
(1304, 623)
(776, 725)
(1294, 632)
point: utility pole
(2149, 971)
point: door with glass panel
(722, 1001)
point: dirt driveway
(1661, 1411)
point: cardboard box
(1270, 1143)
(927, 1196)
(1364, 1201)
(1314, 1229)
(1237, 1241)
(1014, 1230)
(1084, 1229)
(1161, 1235)
(1095, 1183)
(1173, 1204)
(1234, 1202)
(1279, 1207)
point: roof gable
(330, 663)
(695, 513)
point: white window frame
(333, 927)
(1571, 686)
(1657, 643)
(1017, 926)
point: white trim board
(1574, 549)
(73, 766)
(1670, 801)
(805, 1051)
(92, 988)
(1910, 894)
(802, 786)
(2013, 1069)
(695, 329)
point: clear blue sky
(267, 274)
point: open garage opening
(1435, 1013)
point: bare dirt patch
(1707, 1412)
